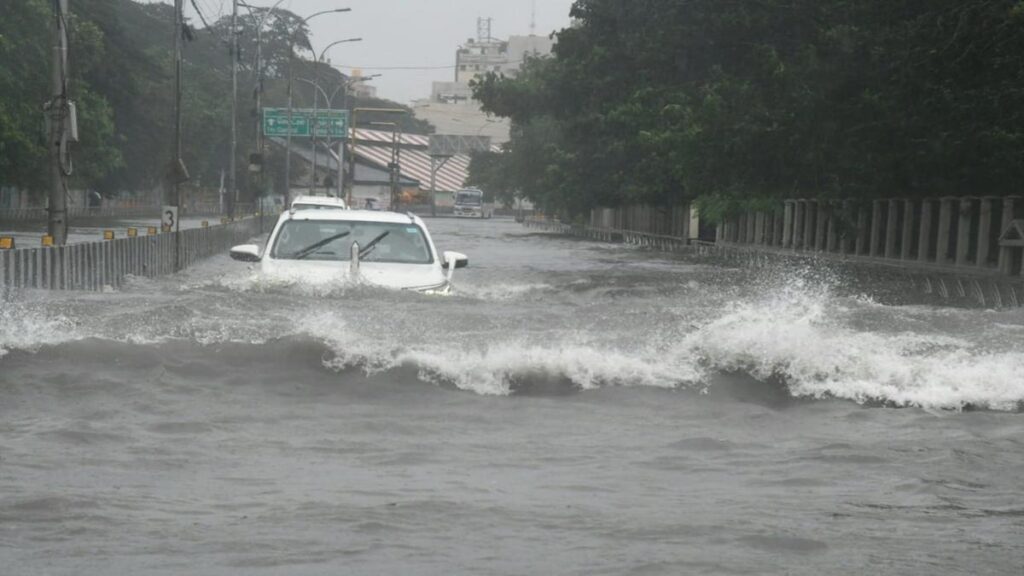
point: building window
(463, 67)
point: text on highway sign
(328, 123)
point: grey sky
(407, 33)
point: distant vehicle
(379, 248)
(469, 203)
(318, 203)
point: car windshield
(468, 199)
(332, 240)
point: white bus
(469, 203)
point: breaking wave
(817, 344)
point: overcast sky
(406, 33)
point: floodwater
(577, 408)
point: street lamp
(259, 22)
(291, 61)
(330, 103)
(352, 81)
(316, 105)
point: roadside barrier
(105, 264)
(11, 215)
(987, 287)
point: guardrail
(662, 242)
(983, 286)
(105, 264)
(961, 234)
(83, 213)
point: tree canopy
(121, 78)
(741, 103)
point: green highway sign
(328, 123)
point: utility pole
(178, 172)
(259, 120)
(61, 126)
(232, 169)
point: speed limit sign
(169, 218)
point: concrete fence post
(810, 211)
(798, 224)
(909, 219)
(787, 223)
(820, 225)
(924, 234)
(844, 234)
(891, 227)
(1005, 252)
(863, 232)
(831, 234)
(876, 229)
(984, 239)
(945, 227)
(963, 231)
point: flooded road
(577, 408)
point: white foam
(501, 292)
(496, 368)
(24, 328)
(804, 336)
(818, 344)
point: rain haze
(411, 43)
(711, 288)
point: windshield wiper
(300, 254)
(372, 244)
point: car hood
(387, 275)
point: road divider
(105, 264)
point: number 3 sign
(169, 218)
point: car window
(468, 199)
(316, 207)
(398, 243)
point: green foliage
(122, 78)
(738, 104)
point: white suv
(380, 248)
(318, 203)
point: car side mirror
(459, 260)
(246, 253)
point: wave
(806, 338)
(799, 336)
(24, 327)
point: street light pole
(233, 169)
(316, 104)
(260, 142)
(291, 76)
(330, 103)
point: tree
(739, 104)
